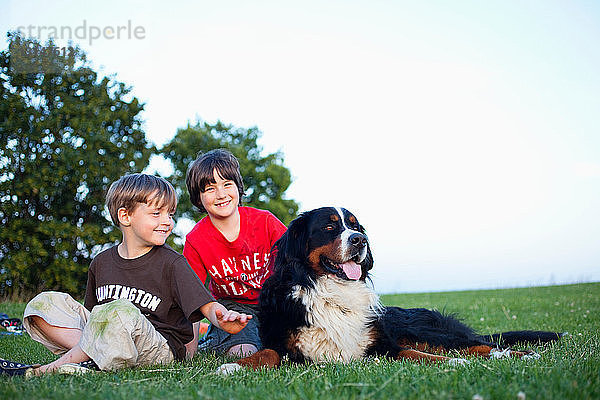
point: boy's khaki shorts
(115, 335)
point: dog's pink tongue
(352, 270)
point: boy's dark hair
(200, 174)
(130, 190)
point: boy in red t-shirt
(232, 245)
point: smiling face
(220, 198)
(147, 225)
(337, 244)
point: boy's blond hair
(131, 190)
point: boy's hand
(232, 321)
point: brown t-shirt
(160, 283)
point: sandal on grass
(12, 368)
(77, 368)
(90, 364)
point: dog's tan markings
(421, 346)
(330, 250)
(516, 354)
(265, 358)
(314, 258)
(291, 345)
(420, 356)
(352, 219)
(373, 336)
(479, 351)
(334, 218)
(491, 352)
(291, 342)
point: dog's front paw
(499, 353)
(532, 355)
(457, 361)
(228, 369)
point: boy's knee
(242, 350)
(45, 300)
(120, 311)
(46, 303)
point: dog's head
(328, 241)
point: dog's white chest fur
(339, 314)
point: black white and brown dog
(318, 306)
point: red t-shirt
(237, 269)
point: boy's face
(148, 225)
(220, 199)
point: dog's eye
(329, 227)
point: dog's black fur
(309, 252)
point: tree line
(66, 134)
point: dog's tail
(513, 337)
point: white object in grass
(228, 369)
(457, 361)
(499, 353)
(531, 356)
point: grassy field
(569, 369)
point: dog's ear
(367, 263)
(297, 241)
(362, 229)
(292, 246)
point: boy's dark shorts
(220, 342)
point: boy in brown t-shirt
(141, 296)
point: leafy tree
(265, 178)
(65, 135)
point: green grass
(568, 369)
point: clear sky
(464, 135)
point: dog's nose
(358, 239)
